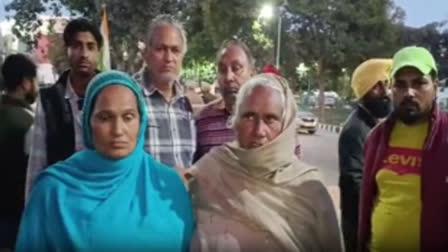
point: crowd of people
(112, 162)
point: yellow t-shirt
(397, 209)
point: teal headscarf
(93, 203)
(97, 85)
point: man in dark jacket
(57, 130)
(369, 83)
(16, 117)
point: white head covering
(266, 189)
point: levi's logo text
(403, 160)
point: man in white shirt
(56, 133)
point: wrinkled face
(413, 95)
(377, 100)
(165, 54)
(233, 70)
(115, 122)
(261, 118)
(83, 53)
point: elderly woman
(112, 196)
(254, 194)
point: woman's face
(261, 118)
(115, 122)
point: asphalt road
(321, 150)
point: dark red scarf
(434, 186)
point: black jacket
(351, 161)
(60, 135)
(16, 117)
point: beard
(229, 96)
(31, 96)
(378, 107)
(409, 111)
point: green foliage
(431, 36)
(341, 33)
(128, 20)
(331, 35)
(26, 16)
(200, 44)
(238, 18)
(260, 36)
(341, 85)
(200, 71)
(326, 34)
(223, 19)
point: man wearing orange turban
(369, 83)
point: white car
(306, 122)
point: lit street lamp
(267, 12)
(302, 70)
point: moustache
(379, 107)
(409, 103)
(230, 92)
(384, 100)
(84, 62)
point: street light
(302, 70)
(267, 12)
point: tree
(200, 71)
(128, 20)
(331, 35)
(200, 44)
(239, 18)
(26, 16)
(432, 37)
(327, 34)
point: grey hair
(239, 43)
(163, 20)
(247, 89)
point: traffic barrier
(330, 127)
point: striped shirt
(171, 134)
(37, 161)
(212, 127)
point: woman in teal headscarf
(112, 196)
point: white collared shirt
(37, 134)
(73, 98)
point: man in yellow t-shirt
(404, 204)
(396, 213)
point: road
(321, 150)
